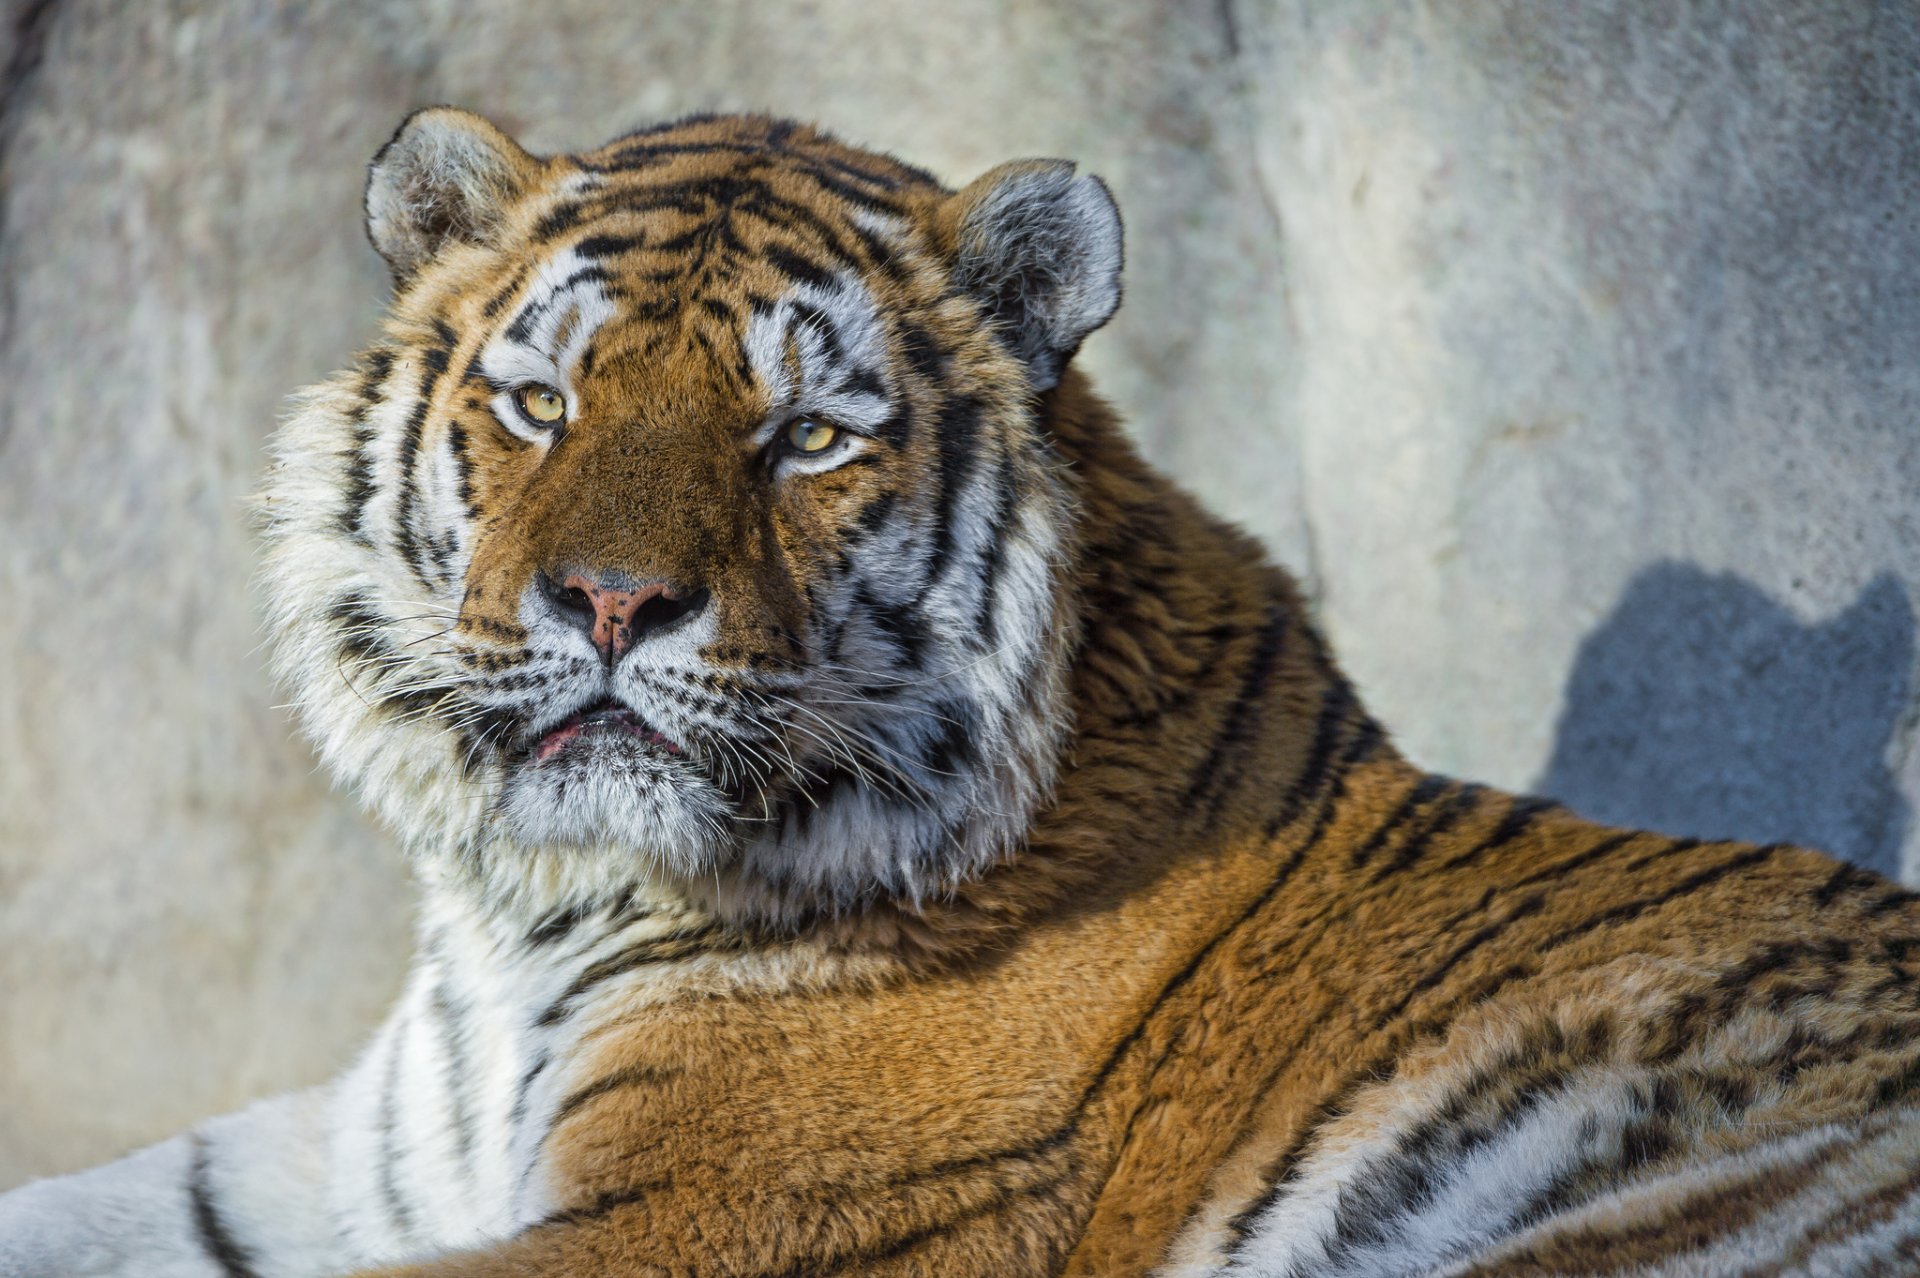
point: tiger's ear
(1040, 248)
(446, 175)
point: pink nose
(615, 611)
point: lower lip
(559, 739)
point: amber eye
(809, 436)
(542, 405)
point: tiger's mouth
(596, 722)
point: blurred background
(1570, 353)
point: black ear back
(1040, 246)
(447, 175)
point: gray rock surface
(1568, 351)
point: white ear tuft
(447, 175)
(1041, 248)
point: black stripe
(358, 486)
(1897, 898)
(759, 200)
(235, 1259)
(373, 375)
(994, 558)
(1604, 847)
(869, 1259)
(1846, 879)
(397, 1209)
(599, 246)
(375, 368)
(1243, 716)
(956, 433)
(795, 267)
(1521, 817)
(1466, 801)
(821, 325)
(1897, 1086)
(1528, 907)
(1670, 847)
(606, 1203)
(683, 943)
(1426, 790)
(556, 925)
(862, 381)
(524, 1088)
(454, 1070)
(521, 329)
(559, 221)
(361, 628)
(873, 516)
(817, 167)
(498, 302)
(924, 354)
(897, 429)
(953, 749)
(436, 358)
(1335, 702)
(463, 467)
(620, 1080)
(1630, 910)
(900, 623)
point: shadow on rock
(1703, 707)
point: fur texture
(966, 858)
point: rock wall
(1566, 350)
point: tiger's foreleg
(240, 1195)
(312, 1183)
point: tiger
(869, 822)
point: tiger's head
(695, 520)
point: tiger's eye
(809, 436)
(542, 404)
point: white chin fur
(606, 793)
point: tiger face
(693, 522)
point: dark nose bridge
(614, 505)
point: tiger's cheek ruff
(358, 612)
(930, 708)
(959, 718)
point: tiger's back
(870, 822)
